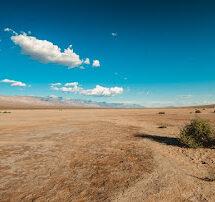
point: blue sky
(156, 53)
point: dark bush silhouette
(162, 126)
(161, 112)
(197, 111)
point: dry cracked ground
(102, 155)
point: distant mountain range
(57, 102)
(86, 103)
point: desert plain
(102, 155)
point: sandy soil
(102, 155)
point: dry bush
(162, 126)
(197, 111)
(198, 133)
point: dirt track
(101, 155)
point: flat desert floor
(102, 155)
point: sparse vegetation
(162, 126)
(198, 133)
(161, 112)
(197, 111)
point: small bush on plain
(162, 126)
(197, 111)
(198, 133)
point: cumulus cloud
(74, 89)
(96, 63)
(87, 61)
(54, 88)
(98, 91)
(13, 83)
(47, 52)
(102, 91)
(18, 83)
(71, 84)
(56, 84)
(7, 81)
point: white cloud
(54, 88)
(74, 89)
(87, 61)
(7, 81)
(56, 84)
(96, 63)
(71, 84)
(18, 83)
(70, 87)
(10, 30)
(114, 34)
(97, 91)
(13, 83)
(47, 52)
(102, 91)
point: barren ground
(102, 155)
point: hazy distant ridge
(56, 102)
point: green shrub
(161, 112)
(198, 133)
(197, 111)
